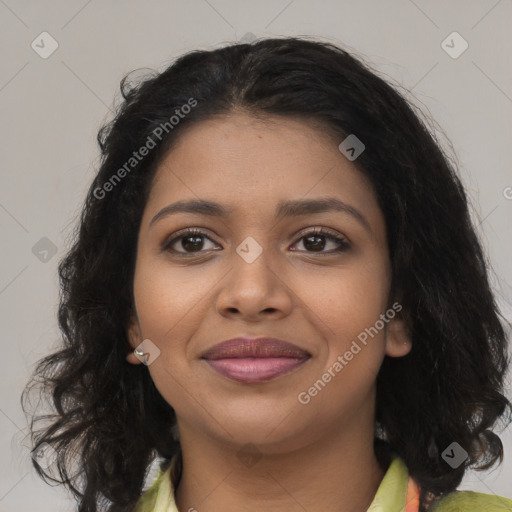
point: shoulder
(470, 501)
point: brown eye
(318, 240)
(192, 243)
(189, 242)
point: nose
(253, 291)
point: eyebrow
(293, 208)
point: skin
(318, 456)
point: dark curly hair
(110, 419)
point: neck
(337, 474)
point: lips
(254, 360)
(254, 347)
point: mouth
(255, 360)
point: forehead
(240, 154)
(251, 164)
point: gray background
(52, 108)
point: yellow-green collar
(392, 491)
(391, 494)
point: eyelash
(343, 242)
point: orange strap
(412, 501)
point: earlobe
(134, 338)
(398, 341)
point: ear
(134, 336)
(398, 340)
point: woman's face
(253, 273)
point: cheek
(168, 297)
(348, 306)
(170, 303)
(348, 299)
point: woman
(276, 287)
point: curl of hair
(110, 419)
